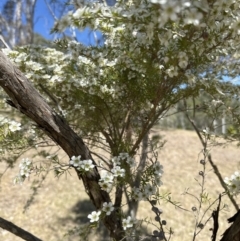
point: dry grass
(57, 204)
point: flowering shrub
(155, 53)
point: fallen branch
(14, 229)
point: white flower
(149, 189)
(106, 186)
(158, 181)
(25, 163)
(158, 169)
(94, 216)
(79, 12)
(183, 60)
(86, 165)
(137, 194)
(75, 161)
(107, 208)
(24, 172)
(116, 160)
(233, 183)
(170, 10)
(118, 171)
(193, 16)
(128, 223)
(172, 71)
(123, 155)
(131, 161)
(14, 126)
(3, 120)
(216, 102)
(106, 177)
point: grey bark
(27, 100)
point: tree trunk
(233, 232)
(27, 100)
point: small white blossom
(123, 155)
(75, 161)
(149, 190)
(128, 222)
(137, 194)
(172, 71)
(131, 161)
(158, 169)
(86, 165)
(107, 208)
(106, 177)
(116, 161)
(183, 60)
(14, 126)
(106, 186)
(25, 170)
(118, 171)
(94, 216)
(193, 16)
(216, 102)
(233, 183)
(158, 181)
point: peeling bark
(28, 101)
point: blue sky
(44, 23)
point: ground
(61, 204)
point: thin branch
(4, 42)
(51, 11)
(215, 168)
(12, 228)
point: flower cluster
(85, 165)
(106, 181)
(95, 215)
(146, 190)
(26, 167)
(107, 178)
(12, 125)
(123, 157)
(233, 183)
